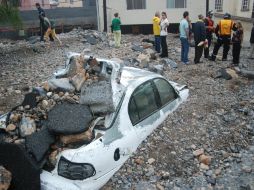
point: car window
(143, 101)
(133, 112)
(166, 91)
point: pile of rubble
(61, 114)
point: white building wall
(144, 16)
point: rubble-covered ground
(207, 143)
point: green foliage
(9, 15)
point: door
(150, 104)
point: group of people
(203, 31)
(47, 27)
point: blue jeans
(157, 43)
(184, 50)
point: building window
(245, 5)
(92, 3)
(218, 5)
(136, 4)
(176, 4)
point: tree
(9, 14)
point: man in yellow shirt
(156, 31)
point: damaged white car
(141, 100)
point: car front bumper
(50, 181)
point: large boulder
(69, 118)
(62, 84)
(99, 96)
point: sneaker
(186, 63)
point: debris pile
(62, 113)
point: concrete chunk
(69, 118)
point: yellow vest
(156, 26)
(225, 27)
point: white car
(143, 100)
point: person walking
(209, 23)
(156, 31)
(116, 22)
(237, 41)
(50, 25)
(199, 37)
(40, 13)
(184, 37)
(223, 32)
(251, 56)
(163, 34)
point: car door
(150, 104)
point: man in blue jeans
(184, 37)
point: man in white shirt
(184, 37)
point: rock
(53, 157)
(151, 161)
(204, 167)
(99, 96)
(15, 117)
(38, 143)
(10, 127)
(143, 60)
(205, 159)
(78, 80)
(84, 137)
(247, 74)
(159, 186)
(17, 91)
(246, 169)
(69, 118)
(5, 178)
(232, 73)
(222, 73)
(217, 171)
(49, 94)
(46, 86)
(137, 48)
(27, 126)
(45, 104)
(157, 69)
(91, 40)
(139, 161)
(62, 84)
(172, 64)
(198, 152)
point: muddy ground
(218, 116)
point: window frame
(218, 6)
(245, 5)
(133, 7)
(184, 2)
(157, 99)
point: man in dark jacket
(209, 24)
(41, 12)
(251, 56)
(199, 37)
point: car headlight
(74, 171)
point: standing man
(223, 33)
(199, 36)
(156, 31)
(184, 37)
(116, 22)
(209, 23)
(41, 13)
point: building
(242, 10)
(136, 15)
